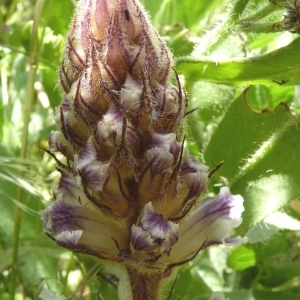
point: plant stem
(24, 147)
(163, 14)
(260, 28)
(144, 286)
(12, 7)
(265, 11)
(225, 28)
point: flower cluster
(129, 188)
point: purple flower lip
(156, 223)
(161, 161)
(93, 173)
(154, 232)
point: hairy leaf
(281, 67)
(261, 154)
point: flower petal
(210, 223)
(161, 160)
(79, 228)
(156, 224)
(194, 175)
(154, 232)
(87, 155)
(69, 239)
(141, 239)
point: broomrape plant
(131, 198)
(130, 193)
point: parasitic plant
(129, 189)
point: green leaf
(52, 48)
(272, 224)
(262, 97)
(261, 154)
(58, 15)
(260, 295)
(36, 266)
(261, 232)
(104, 284)
(282, 221)
(180, 44)
(279, 273)
(281, 66)
(241, 258)
(253, 295)
(212, 99)
(184, 12)
(194, 280)
(271, 249)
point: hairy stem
(260, 28)
(144, 285)
(260, 14)
(225, 28)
